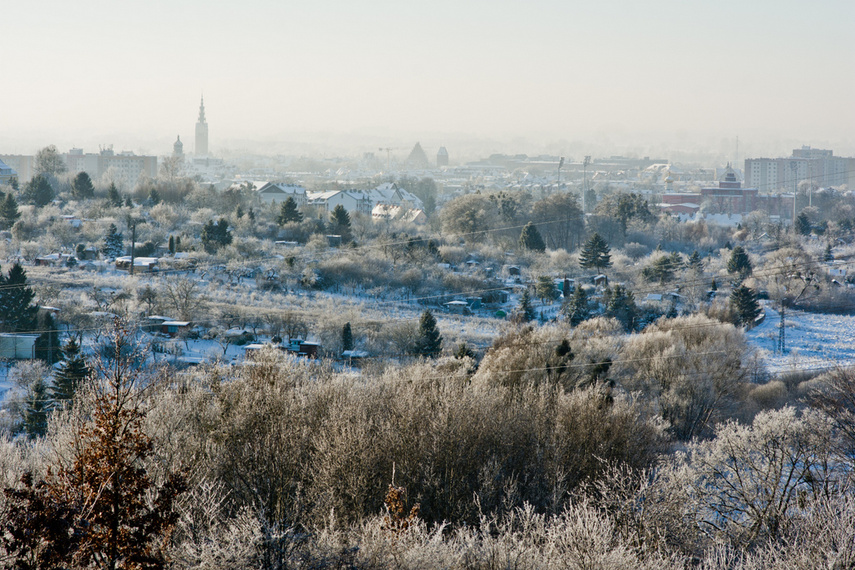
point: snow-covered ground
(812, 341)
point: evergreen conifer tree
(39, 191)
(289, 213)
(216, 235)
(9, 211)
(113, 196)
(171, 245)
(596, 253)
(81, 186)
(340, 220)
(47, 347)
(17, 314)
(621, 306)
(828, 255)
(526, 310)
(739, 263)
(429, 342)
(346, 337)
(577, 309)
(37, 409)
(72, 371)
(744, 302)
(802, 224)
(114, 243)
(695, 262)
(545, 289)
(531, 239)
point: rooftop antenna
(737, 152)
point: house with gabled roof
(277, 193)
(350, 200)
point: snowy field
(812, 341)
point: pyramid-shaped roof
(417, 157)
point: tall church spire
(201, 131)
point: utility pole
(782, 347)
(585, 164)
(388, 158)
(794, 171)
(132, 222)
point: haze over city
(505, 76)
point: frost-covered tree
(49, 162)
(429, 341)
(114, 243)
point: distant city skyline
(338, 76)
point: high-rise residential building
(24, 165)
(818, 166)
(7, 173)
(201, 132)
(125, 166)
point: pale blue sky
(98, 69)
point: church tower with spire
(202, 132)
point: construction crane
(389, 156)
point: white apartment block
(819, 166)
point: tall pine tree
(525, 308)
(340, 221)
(576, 309)
(289, 212)
(429, 342)
(9, 211)
(113, 196)
(114, 242)
(82, 186)
(744, 302)
(739, 263)
(17, 313)
(71, 372)
(596, 253)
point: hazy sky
(668, 72)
